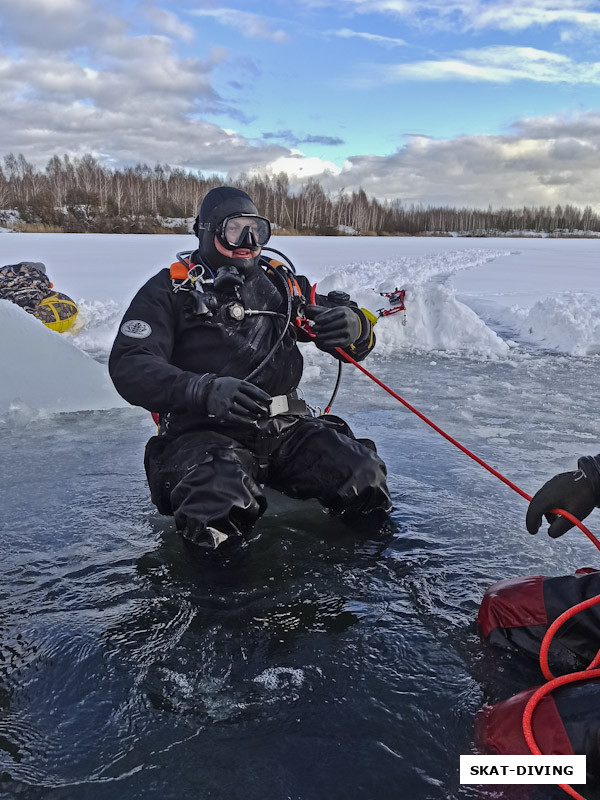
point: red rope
(464, 449)
(535, 699)
(558, 622)
(553, 682)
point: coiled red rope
(590, 672)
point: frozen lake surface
(316, 663)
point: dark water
(316, 662)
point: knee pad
(218, 492)
(517, 612)
(513, 613)
(564, 722)
(366, 489)
(499, 728)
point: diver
(27, 285)
(516, 613)
(210, 346)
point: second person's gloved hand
(572, 491)
(334, 327)
(227, 399)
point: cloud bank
(494, 64)
(542, 161)
(76, 79)
(504, 15)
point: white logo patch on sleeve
(136, 329)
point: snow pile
(9, 217)
(435, 320)
(569, 323)
(178, 222)
(96, 326)
(40, 369)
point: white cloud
(401, 7)
(298, 166)
(508, 15)
(497, 64)
(386, 41)
(515, 16)
(139, 75)
(545, 160)
(136, 98)
(166, 22)
(250, 25)
(129, 138)
(53, 25)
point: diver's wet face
(239, 252)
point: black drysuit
(206, 472)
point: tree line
(78, 195)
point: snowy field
(480, 298)
(321, 666)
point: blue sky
(334, 75)
(470, 102)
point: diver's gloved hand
(575, 492)
(227, 399)
(334, 327)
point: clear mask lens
(246, 231)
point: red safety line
(464, 449)
(535, 699)
(552, 682)
(558, 622)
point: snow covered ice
(464, 296)
(135, 669)
(63, 378)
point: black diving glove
(576, 492)
(334, 327)
(227, 399)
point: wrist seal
(196, 391)
(590, 466)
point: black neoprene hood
(222, 202)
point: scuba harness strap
(190, 277)
(184, 274)
(292, 283)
